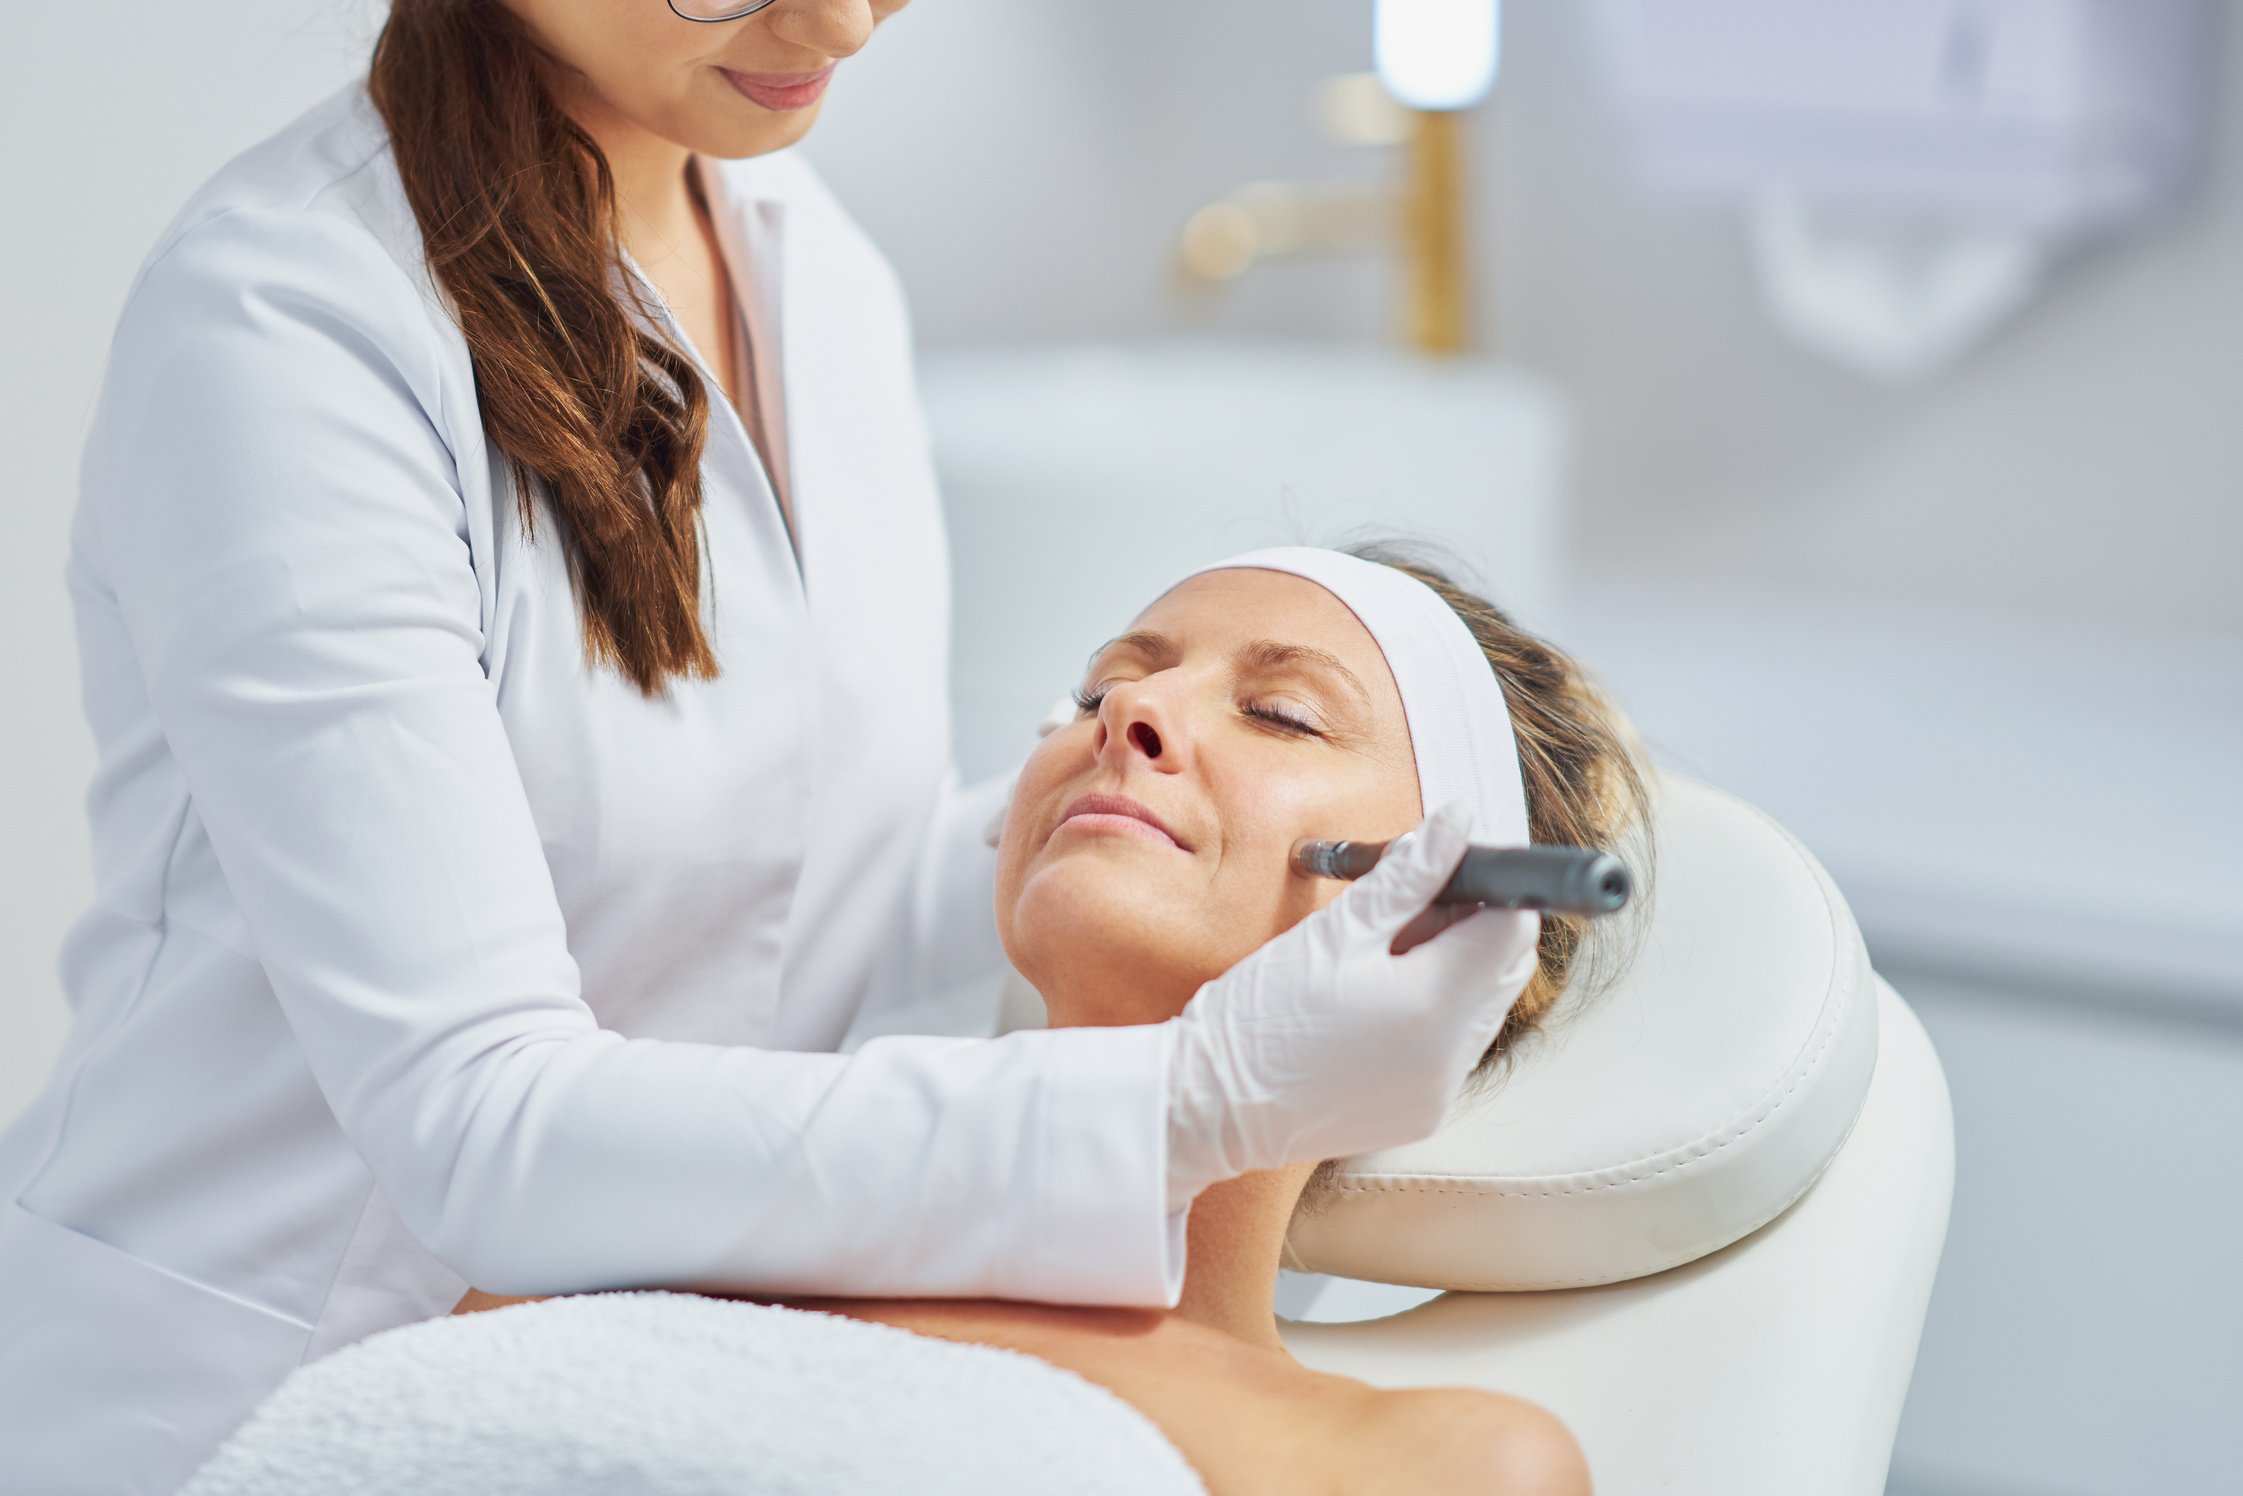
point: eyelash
(1086, 701)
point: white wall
(113, 114)
(2085, 464)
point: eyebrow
(1143, 641)
(1265, 654)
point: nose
(838, 28)
(1134, 723)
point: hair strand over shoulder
(517, 212)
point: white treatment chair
(1700, 1220)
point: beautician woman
(512, 602)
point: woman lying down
(1146, 851)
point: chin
(737, 142)
(1070, 938)
(731, 127)
(773, 132)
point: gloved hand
(1063, 711)
(1324, 1043)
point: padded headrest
(1685, 1106)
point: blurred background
(1854, 385)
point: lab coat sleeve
(276, 512)
(942, 969)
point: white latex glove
(1063, 711)
(1324, 1043)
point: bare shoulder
(1440, 1439)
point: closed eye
(1284, 720)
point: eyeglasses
(715, 10)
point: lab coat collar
(748, 204)
(752, 228)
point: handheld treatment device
(1562, 880)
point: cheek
(1268, 803)
(662, 79)
(1268, 807)
(1041, 778)
(630, 54)
(1273, 797)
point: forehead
(1221, 611)
(1211, 597)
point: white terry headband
(1460, 726)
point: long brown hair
(518, 214)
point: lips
(780, 91)
(1103, 804)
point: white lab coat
(424, 955)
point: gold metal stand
(1437, 281)
(1423, 217)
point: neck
(1236, 1235)
(654, 204)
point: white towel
(662, 1394)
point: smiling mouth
(781, 91)
(1119, 815)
